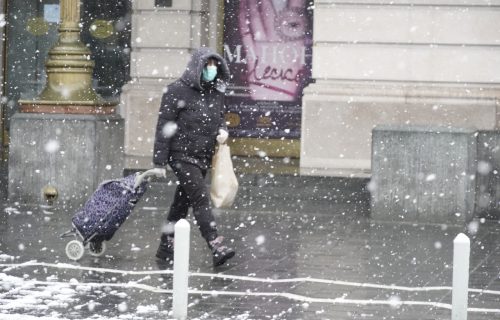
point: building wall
(162, 41)
(375, 62)
(396, 62)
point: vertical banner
(267, 44)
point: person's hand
(222, 137)
(165, 167)
(159, 172)
(275, 48)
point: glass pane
(29, 37)
(106, 28)
(32, 31)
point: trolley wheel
(75, 250)
(97, 249)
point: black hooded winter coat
(191, 113)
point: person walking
(190, 121)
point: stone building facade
(414, 62)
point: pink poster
(267, 44)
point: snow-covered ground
(288, 266)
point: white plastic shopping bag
(224, 185)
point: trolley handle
(158, 172)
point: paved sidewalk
(289, 265)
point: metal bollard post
(461, 254)
(181, 269)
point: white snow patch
(168, 228)
(430, 177)
(26, 295)
(11, 210)
(169, 129)
(52, 146)
(484, 168)
(260, 240)
(371, 186)
(473, 227)
(395, 302)
(6, 257)
(123, 307)
(147, 309)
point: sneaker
(221, 253)
(166, 248)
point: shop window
(32, 29)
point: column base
(73, 153)
(423, 174)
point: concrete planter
(423, 174)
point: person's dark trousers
(192, 191)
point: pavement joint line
(8, 267)
(286, 295)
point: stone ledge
(66, 109)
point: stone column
(68, 138)
(398, 62)
(162, 41)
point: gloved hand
(165, 167)
(160, 172)
(222, 137)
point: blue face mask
(209, 73)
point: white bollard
(181, 269)
(459, 298)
